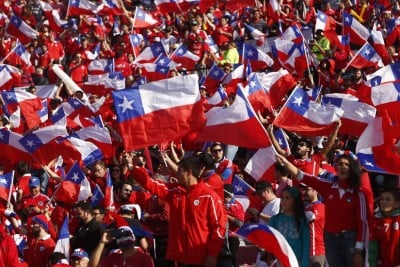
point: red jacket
(8, 251)
(197, 219)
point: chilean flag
(366, 57)
(41, 143)
(81, 7)
(328, 25)
(388, 73)
(108, 201)
(241, 187)
(282, 139)
(75, 187)
(110, 7)
(29, 104)
(101, 66)
(21, 30)
(256, 94)
(19, 56)
(63, 244)
(214, 78)
(12, 150)
(231, 125)
(53, 17)
(184, 57)
(255, 33)
(387, 97)
(219, 96)
(270, 239)
(277, 85)
(291, 55)
(307, 117)
(379, 44)
(97, 196)
(143, 19)
(136, 40)
(159, 111)
(98, 136)
(150, 53)
(261, 165)
(167, 6)
(293, 34)
(256, 57)
(86, 152)
(357, 115)
(6, 183)
(6, 77)
(358, 33)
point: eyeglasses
(216, 150)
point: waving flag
(98, 136)
(167, 6)
(261, 165)
(97, 197)
(230, 125)
(108, 201)
(292, 34)
(159, 111)
(375, 149)
(388, 73)
(328, 25)
(81, 7)
(255, 33)
(292, 56)
(143, 19)
(241, 187)
(233, 78)
(219, 96)
(282, 139)
(256, 94)
(379, 44)
(366, 57)
(356, 116)
(387, 97)
(277, 85)
(19, 56)
(62, 244)
(12, 150)
(101, 66)
(21, 30)
(87, 152)
(40, 143)
(214, 78)
(75, 187)
(270, 239)
(6, 183)
(184, 57)
(110, 7)
(6, 77)
(150, 53)
(256, 57)
(358, 33)
(307, 117)
(52, 15)
(29, 104)
(136, 40)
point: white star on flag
(126, 105)
(298, 101)
(239, 188)
(368, 163)
(75, 177)
(3, 181)
(30, 143)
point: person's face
(81, 214)
(116, 172)
(126, 191)
(126, 158)
(343, 168)
(99, 171)
(217, 153)
(183, 176)
(302, 149)
(35, 229)
(387, 202)
(287, 202)
(308, 194)
(98, 216)
(35, 190)
(77, 262)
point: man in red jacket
(197, 217)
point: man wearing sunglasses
(224, 167)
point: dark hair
(191, 163)
(298, 209)
(207, 160)
(394, 191)
(22, 168)
(84, 205)
(354, 179)
(281, 169)
(101, 209)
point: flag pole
(10, 189)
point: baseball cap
(34, 181)
(79, 253)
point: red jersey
(346, 209)
(39, 250)
(200, 215)
(215, 182)
(235, 209)
(387, 233)
(310, 165)
(39, 201)
(315, 213)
